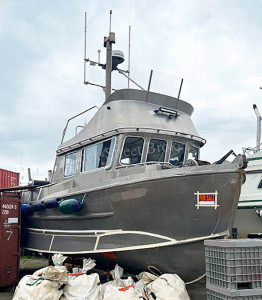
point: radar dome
(117, 58)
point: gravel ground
(196, 291)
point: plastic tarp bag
(167, 286)
(83, 287)
(127, 293)
(34, 288)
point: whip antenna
(85, 52)
(110, 21)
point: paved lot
(196, 291)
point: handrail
(64, 131)
(250, 149)
(163, 163)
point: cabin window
(193, 153)
(156, 150)
(177, 154)
(99, 155)
(132, 150)
(70, 164)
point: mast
(108, 41)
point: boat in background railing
(249, 212)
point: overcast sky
(214, 45)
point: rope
(159, 272)
(151, 271)
(197, 279)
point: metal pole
(108, 44)
(108, 67)
(85, 53)
(258, 126)
(150, 78)
(121, 72)
(180, 88)
(129, 45)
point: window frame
(67, 176)
(107, 167)
(122, 148)
(148, 149)
(198, 152)
(185, 150)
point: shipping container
(10, 232)
(8, 179)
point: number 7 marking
(10, 233)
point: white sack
(43, 289)
(58, 259)
(40, 272)
(144, 279)
(83, 287)
(76, 270)
(113, 293)
(88, 264)
(117, 273)
(168, 286)
(55, 273)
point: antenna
(180, 88)
(129, 45)
(149, 82)
(110, 21)
(85, 52)
(99, 51)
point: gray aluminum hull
(148, 222)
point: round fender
(26, 209)
(70, 206)
(37, 206)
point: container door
(10, 222)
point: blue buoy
(53, 203)
(37, 206)
(26, 209)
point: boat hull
(185, 258)
(247, 221)
(155, 222)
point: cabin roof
(133, 111)
(151, 97)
